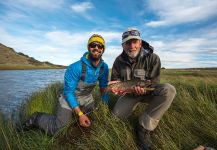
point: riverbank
(191, 120)
(28, 67)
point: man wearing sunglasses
(137, 61)
(80, 79)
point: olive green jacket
(146, 66)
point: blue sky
(183, 33)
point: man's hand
(116, 92)
(139, 90)
(84, 121)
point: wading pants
(52, 123)
(158, 102)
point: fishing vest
(83, 72)
(83, 90)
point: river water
(17, 85)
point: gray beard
(132, 55)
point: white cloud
(173, 12)
(158, 44)
(41, 4)
(59, 47)
(170, 54)
(13, 16)
(186, 52)
(186, 45)
(65, 38)
(82, 7)
(34, 46)
(76, 43)
(174, 57)
(11, 41)
(65, 47)
(109, 36)
(111, 53)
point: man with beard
(137, 61)
(80, 79)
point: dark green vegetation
(191, 120)
(9, 60)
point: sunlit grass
(191, 120)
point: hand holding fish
(139, 87)
(139, 90)
(118, 92)
(115, 91)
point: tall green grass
(191, 120)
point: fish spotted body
(128, 86)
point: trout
(128, 86)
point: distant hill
(10, 59)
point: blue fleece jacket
(73, 76)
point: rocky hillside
(10, 59)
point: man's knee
(124, 106)
(166, 90)
(170, 90)
(116, 112)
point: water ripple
(17, 85)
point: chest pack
(84, 69)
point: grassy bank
(191, 120)
(28, 67)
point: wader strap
(83, 73)
(101, 71)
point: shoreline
(29, 67)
